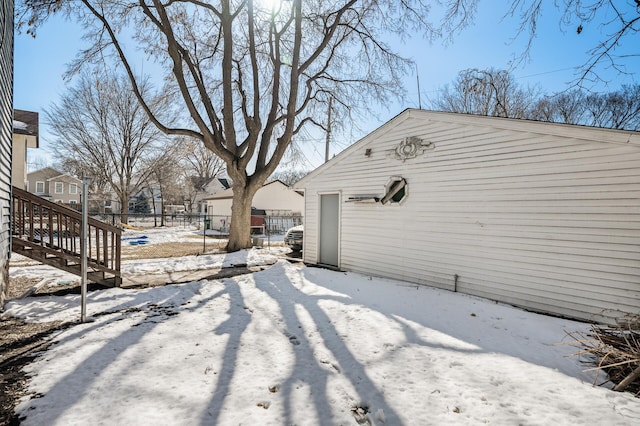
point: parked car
(293, 237)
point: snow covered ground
(306, 346)
(52, 276)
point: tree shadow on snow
(70, 387)
(307, 368)
(446, 327)
(474, 322)
(319, 352)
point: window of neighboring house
(39, 187)
(395, 190)
(73, 188)
(59, 187)
(107, 203)
(73, 202)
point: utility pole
(326, 148)
(418, 80)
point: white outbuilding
(539, 215)
(274, 196)
(275, 200)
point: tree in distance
(246, 76)
(102, 131)
(250, 75)
(490, 92)
(495, 93)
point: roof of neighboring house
(50, 173)
(26, 123)
(225, 182)
(228, 193)
(64, 175)
(201, 183)
(596, 134)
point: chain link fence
(146, 220)
(265, 229)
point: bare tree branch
(101, 129)
(617, 21)
(244, 79)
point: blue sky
(41, 62)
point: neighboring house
(151, 197)
(25, 135)
(539, 215)
(55, 186)
(206, 187)
(110, 205)
(174, 209)
(145, 202)
(273, 199)
(102, 201)
(6, 130)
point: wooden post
(83, 248)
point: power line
(546, 72)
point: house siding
(48, 178)
(528, 218)
(19, 161)
(23, 138)
(272, 196)
(6, 131)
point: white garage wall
(6, 130)
(538, 215)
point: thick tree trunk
(124, 210)
(240, 228)
(161, 207)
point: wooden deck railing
(50, 233)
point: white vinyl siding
(545, 222)
(59, 187)
(6, 120)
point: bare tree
(495, 93)
(36, 163)
(570, 107)
(616, 110)
(165, 179)
(200, 161)
(567, 107)
(486, 92)
(101, 130)
(618, 23)
(290, 176)
(613, 110)
(198, 166)
(100, 187)
(253, 76)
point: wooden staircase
(50, 233)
